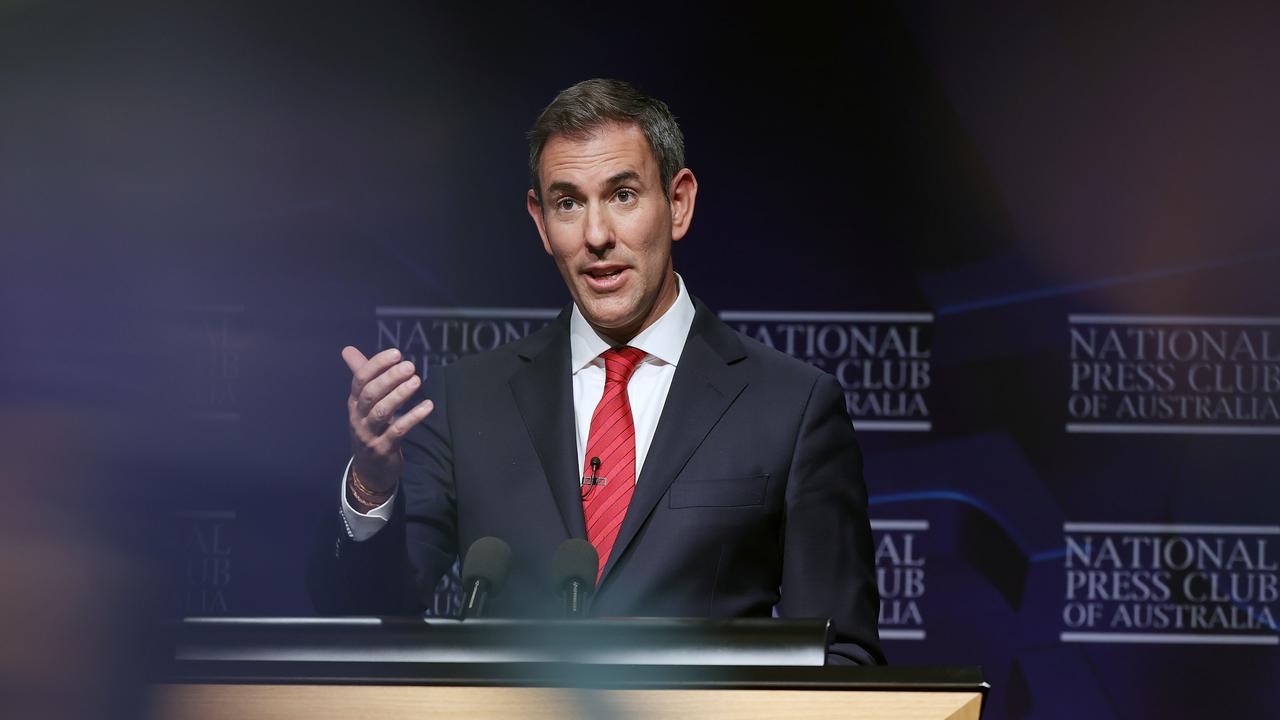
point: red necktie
(613, 441)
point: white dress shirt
(662, 342)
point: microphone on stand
(574, 570)
(483, 572)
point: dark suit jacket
(751, 495)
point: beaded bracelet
(366, 496)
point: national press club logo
(1203, 375)
(900, 575)
(433, 337)
(1170, 584)
(881, 360)
(199, 546)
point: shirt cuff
(362, 526)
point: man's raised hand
(379, 386)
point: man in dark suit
(728, 480)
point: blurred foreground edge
(616, 668)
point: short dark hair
(578, 111)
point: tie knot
(620, 363)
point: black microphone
(483, 572)
(587, 485)
(574, 570)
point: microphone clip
(588, 482)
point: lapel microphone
(589, 484)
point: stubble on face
(606, 221)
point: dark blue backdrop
(1037, 244)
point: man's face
(609, 226)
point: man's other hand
(380, 385)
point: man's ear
(535, 212)
(684, 192)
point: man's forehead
(604, 152)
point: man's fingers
(353, 358)
(380, 387)
(373, 367)
(405, 422)
(384, 409)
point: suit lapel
(543, 390)
(701, 391)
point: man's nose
(598, 231)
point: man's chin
(609, 321)
(609, 324)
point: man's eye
(626, 196)
(565, 204)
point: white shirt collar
(663, 340)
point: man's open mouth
(605, 277)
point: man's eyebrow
(567, 188)
(622, 177)
(562, 186)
